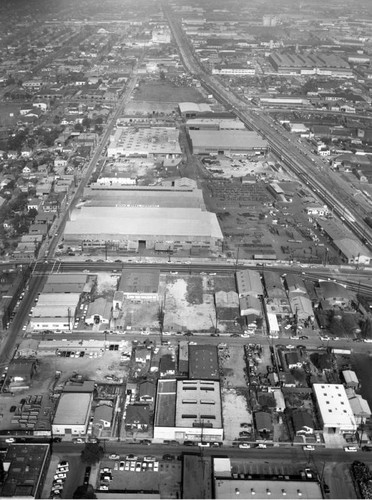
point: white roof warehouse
(91, 226)
(226, 141)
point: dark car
(244, 434)
(303, 337)
(168, 457)
(189, 443)
(326, 489)
(366, 448)
(87, 474)
(12, 409)
(145, 441)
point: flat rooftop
(227, 139)
(73, 409)
(147, 222)
(165, 411)
(258, 489)
(203, 362)
(26, 462)
(198, 404)
(139, 281)
(152, 140)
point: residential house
(264, 422)
(137, 417)
(302, 422)
(142, 355)
(147, 392)
(167, 366)
(103, 415)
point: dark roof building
(25, 464)
(167, 365)
(264, 422)
(302, 422)
(138, 416)
(203, 362)
(140, 283)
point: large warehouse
(334, 408)
(227, 142)
(311, 64)
(188, 410)
(157, 228)
(55, 311)
(153, 142)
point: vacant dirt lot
(188, 306)
(167, 92)
(235, 412)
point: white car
(244, 445)
(127, 466)
(10, 440)
(308, 447)
(60, 475)
(114, 457)
(308, 473)
(351, 449)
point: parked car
(113, 456)
(308, 447)
(308, 473)
(244, 445)
(351, 449)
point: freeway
(309, 170)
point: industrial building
(152, 142)
(301, 307)
(214, 124)
(240, 142)
(156, 228)
(334, 409)
(249, 283)
(203, 362)
(188, 410)
(72, 414)
(140, 285)
(311, 64)
(186, 195)
(55, 311)
(229, 484)
(193, 109)
(25, 466)
(67, 283)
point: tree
(86, 122)
(84, 491)
(92, 453)
(160, 317)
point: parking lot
(146, 473)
